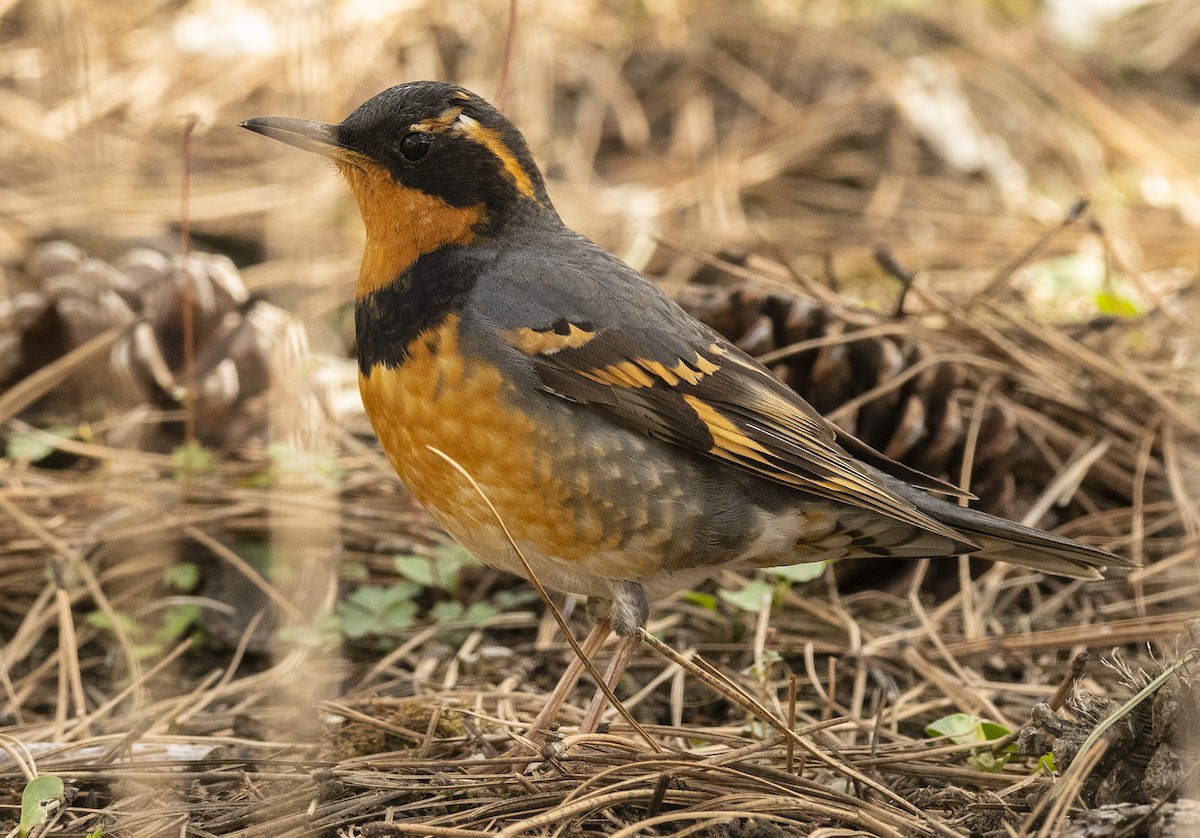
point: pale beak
(319, 137)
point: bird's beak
(319, 137)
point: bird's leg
(590, 646)
(622, 655)
(536, 734)
(628, 614)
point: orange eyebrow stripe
(441, 122)
(494, 143)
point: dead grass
(802, 135)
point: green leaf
(182, 576)
(1111, 303)
(292, 463)
(509, 599)
(705, 601)
(448, 611)
(961, 727)
(439, 572)
(192, 459)
(992, 730)
(30, 448)
(176, 620)
(377, 610)
(98, 619)
(42, 795)
(989, 761)
(258, 554)
(355, 622)
(479, 612)
(418, 569)
(383, 598)
(98, 832)
(1046, 764)
(144, 651)
(966, 729)
(324, 629)
(749, 598)
(454, 556)
(453, 611)
(805, 572)
(354, 571)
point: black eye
(414, 146)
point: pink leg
(545, 719)
(590, 646)
(622, 655)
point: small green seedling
(439, 572)
(152, 632)
(386, 610)
(191, 460)
(774, 581)
(325, 628)
(375, 609)
(968, 729)
(41, 797)
(751, 596)
(795, 573)
(291, 465)
(33, 448)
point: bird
(626, 449)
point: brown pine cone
(66, 298)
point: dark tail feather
(1006, 541)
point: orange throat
(402, 223)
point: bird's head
(431, 165)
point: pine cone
(1148, 749)
(67, 298)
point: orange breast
(462, 406)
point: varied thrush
(630, 450)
